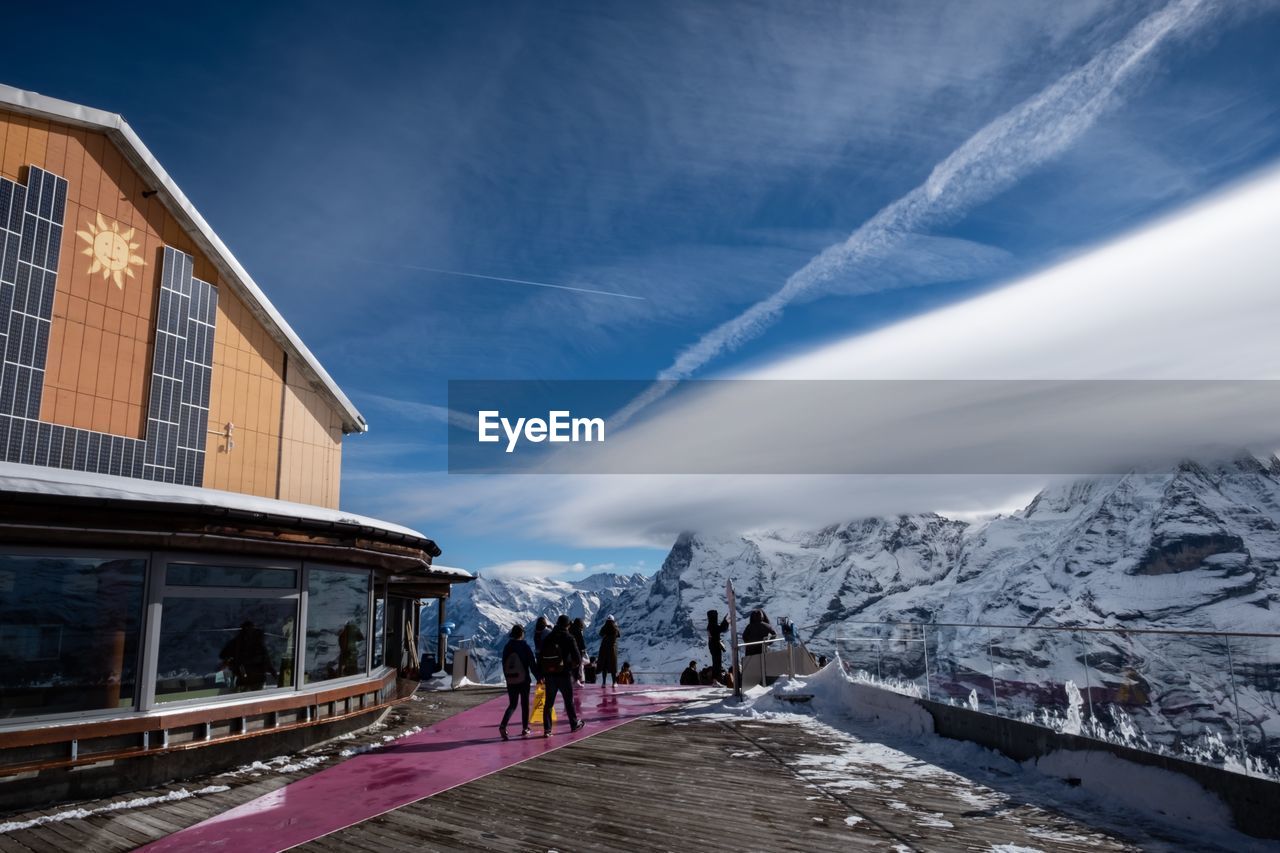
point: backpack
(513, 669)
(552, 660)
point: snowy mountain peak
(1195, 546)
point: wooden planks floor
(126, 829)
(673, 782)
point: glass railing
(1211, 697)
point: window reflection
(69, 632)
(214, 646)
(337, 624)
(379, 626)
(193, 574)
(399, 616)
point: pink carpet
(455, 751)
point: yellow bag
(540, 702)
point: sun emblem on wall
(111, 250)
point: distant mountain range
(1195, 547)
(484, 610)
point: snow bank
(438, 681)
(1150, 789)
(835, 696)
(862, 724)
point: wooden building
(178, 589)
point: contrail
(426, 411)
(989, 162)
(526, 281)
(589, 290)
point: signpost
(733, 632)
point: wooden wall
(247, 388)
(311, 452)
(102, 336)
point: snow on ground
(882, 744)
(137, 803)
(438, 681)
(386, 739)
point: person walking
(558, 662)
(578, 631)
(520, 670)
(607, 659)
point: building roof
(35, 482)
(123, 136)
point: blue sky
(693, 154)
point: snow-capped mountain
(1193, 548)
(484, 610)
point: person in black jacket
(715, 628)
(757, 630)
(520, 670)
(607, 660)
(578, 631)
(689, 678)
(540, 630)
(558, 662)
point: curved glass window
(337, 624)
(195, 574)
(211, 646)
(69, 633)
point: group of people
(705, 677)
(755, 640)
(558, 661)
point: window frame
(140, 678)
(155, 589)
(300, 670)
(160, 589)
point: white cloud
(991, 160)
(1191, 297)
(531, 569)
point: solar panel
(31, 225)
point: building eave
(180, 207)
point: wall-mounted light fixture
(226, 432)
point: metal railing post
(879, 653)
(1235, 700)
(924, 633)
(1088, 681)
(991, 664)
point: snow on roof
(451, 570)
(38, 480)
(123, 136)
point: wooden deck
(673, 782)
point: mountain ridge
(1195, 547)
